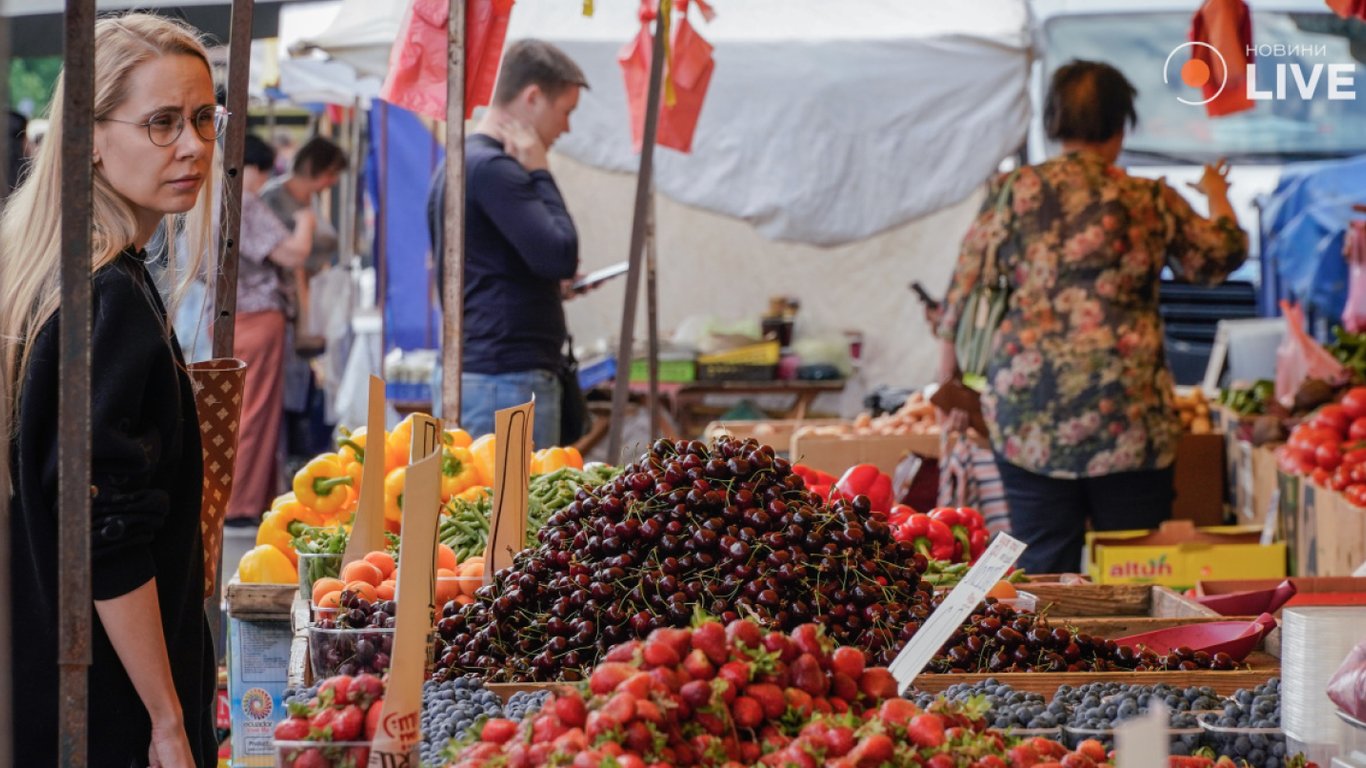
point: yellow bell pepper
(351, 445)
(575, 458)
(548, 460)
(283, 498)
(457, 438)
(397, 445)
(317, 484)
(474, 493)
(271, 534)
(457, 472)
(484, 451)
(393, 494)
(266, 564)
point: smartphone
(924, 296)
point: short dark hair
(536, 62)
(318, 156)
(1088, 101)
(258, 154)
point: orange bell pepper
(457, 438)
(484, 452)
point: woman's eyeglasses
(164, 128)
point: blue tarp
(1306, 221)
(412, 319)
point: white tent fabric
(329, 82)
(826, 123)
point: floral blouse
(1077, 384)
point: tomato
(1357, 429)
(1341, 478)
(1308, 436)
(1328, 456)
(1354, 402)
(1354, 456)
(1356, 495)
(1332, 416)
(1320, 477)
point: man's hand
(568, 291)
(520, 141)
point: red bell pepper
(898, 514)
(864, 480)
(931, 537)
(978, 542)
(816, 481)
(963, 522)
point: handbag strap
(989, 256)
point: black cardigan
(146, 473)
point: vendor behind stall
(1078, 397)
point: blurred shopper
(521, 248)
(1078, 396)
(317, 166)
(267, 250)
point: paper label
(507, 529)
(367, 530)
(957, 606)
(399, 728)
(1143, 741)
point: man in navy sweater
(521, 248)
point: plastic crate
(597, 372)
(764, 353)
(672, 371)
(736, 372)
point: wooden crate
(1114, 600)
(258, 601)
(505, 691)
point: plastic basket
(673, 371)
(764, 353)
(326, 754)
(314, 566)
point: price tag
(957, 606)
(399, 725)
(367, 529)
(1143, 741)
(507, 527)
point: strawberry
(897, 712)
(844, 687)
(839, 740)
(808, 675)
(1092, 749)
(571, 741)
(333, 691)
(750, 752)
(770, 697)
(1181, 761)
(698, 665)
(747, 712)
(292, 729)
(665, 679)
(1048, 747)
(680, 640)
(626, 652)
(711, 638)
(372, 718)
(989, 761)
(710, 723)
(571, 710)
(630, 760)
(940, 760)
(648, 711)
(874, 749)
(349, 724)
(638, 685)
(697, 693)
(658, 653)
(743, 633)
(359, 756)
(365, 689)
(810, 638)
(498, 730)
(1077, 760)
(546, 727)
(638, 737)
(608, 675)
(598, 724)
(620, 708)
(322, 721)
(877, 683)
(848, 661)
(736, 673)
(1023, 756)
(926, 731)
(777, 642)
(312, 757)
(800, 701)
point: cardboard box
(1263, 465)
(1331, 533)
(1179, 555)
(1288, 526)
(1200, 479)
(258, 654)
(835, 454)
(774, 432)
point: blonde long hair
(30, 226)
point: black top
(519, 244)
(146, 473)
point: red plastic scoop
(1236, 638)
(1251, 602)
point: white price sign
(957, 606)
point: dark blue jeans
(1050, 514)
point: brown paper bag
(218, 389)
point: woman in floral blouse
(1079, 398)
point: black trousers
(1050, 514)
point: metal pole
(225, 282)
(4, 146)
(453, 236)
(73, 399)
(644, 180)
(652, 316)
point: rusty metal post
(73, 398)
(652, 316)
(382, 226)
(644, 183)
(453, 221)
(225, 278)
(4, 154)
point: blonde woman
(152, 673)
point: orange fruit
(446, 590)
(363, 588)
(470, 576)
(1003, 590)
(445, 557)
(385, 590)
(324, 585)
(383, 561)
(362, 570)
(447, 572)
(463, 599)
(330, 600)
